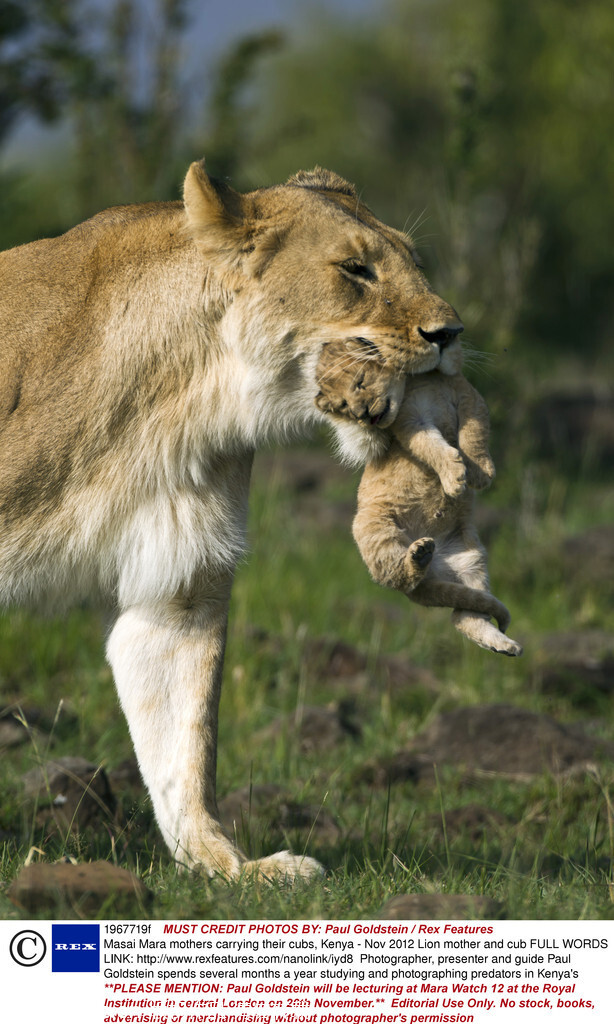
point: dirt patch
(508, 740)
(588, 558)
(72, 793)
(497, 739)
(577, 664)
(337, 661)
(472, 821)
(440, 907)
(402, 766)
(79, 890)
(13, 733)
(270, 811)
(303, 470)
(314, 729)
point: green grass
(551, 857)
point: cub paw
(480, 475)
(454, 477)
(421, 552)
(507, 646)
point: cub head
(300, 265)
(354, 383)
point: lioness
(145, 355)
(414, 524)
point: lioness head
(307, 263)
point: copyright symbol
(27, 948)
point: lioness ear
(208, 201)
(324, 181)
(215, 216)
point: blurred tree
(227, 113)
(24, 83)
(116, 78)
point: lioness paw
(284, 866)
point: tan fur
(414, 525)
(144, 355)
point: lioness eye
(357, 269)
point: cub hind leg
(391, 556)
(459, 579)
(480, 629)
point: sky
(218, 23)
(215, 25)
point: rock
(269, 809)
(578, 663)
(83, 889)
(314, 728)
(76, 793)
(440, 907)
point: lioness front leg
(167, 662)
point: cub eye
(355, 268)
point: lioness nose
(442, 335)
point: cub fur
(414, 524)
(145, 355)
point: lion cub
(414, 525)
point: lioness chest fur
(144, 356)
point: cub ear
(323, 181)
